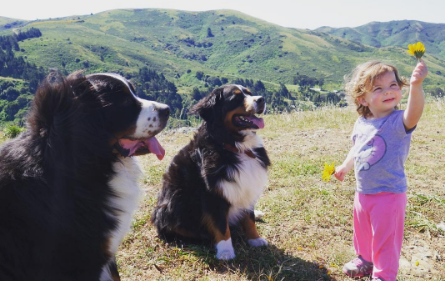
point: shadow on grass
(257, 263)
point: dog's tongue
(155, 147)
(152, 144)
(259, 122)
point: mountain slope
(221, 43)
(395, 33)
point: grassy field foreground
(308, 222)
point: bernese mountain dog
(68, 184)
(215, 180)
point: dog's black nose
(164, 112)
(260, 101)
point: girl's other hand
(340, 172)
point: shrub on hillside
(437, 92)
(12, 131)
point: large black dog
(68, 187)
(216, 179)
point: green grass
(308, 223)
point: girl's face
(384, 96)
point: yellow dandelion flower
(328, 171)
(416, 50)
(417, 263)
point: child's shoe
(358, 267)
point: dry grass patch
(308, 223)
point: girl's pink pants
(378, 231)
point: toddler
(381, 139)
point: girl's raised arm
(416, 99)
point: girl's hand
(340, 172)
(419, 73)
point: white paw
(225, 255)
(224, 250)
(258, 242)
(258, 214)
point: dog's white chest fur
(250, 180)
(125, 186)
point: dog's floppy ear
(206, 106)
(79, 83)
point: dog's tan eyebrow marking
(247, 91)
(237, 92)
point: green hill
(218, 43)
(395, 33)
(8, 23)
(190, 49)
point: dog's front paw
(258, 242)
(225, 255)
(258, 214)
(224, 250)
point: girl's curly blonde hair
(361, 81)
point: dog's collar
(235, 150)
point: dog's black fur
(192, 202)
(55, 215)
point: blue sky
(309, 14)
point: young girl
(381, 138)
